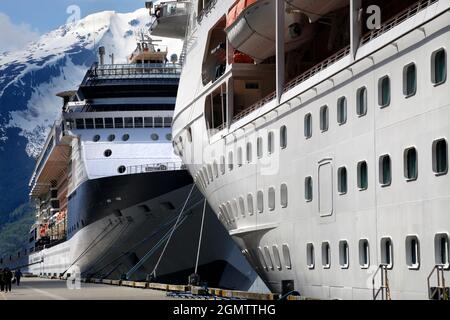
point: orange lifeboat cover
(240, 57)
(237, 9)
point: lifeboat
(315, 9)
(250, 28)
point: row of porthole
(264, 256)
(226, 209)
(412, 252)
(208, 172)
(438, 77)
(126, 137)
(439, 149)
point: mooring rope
(200, 238)
(172, 232)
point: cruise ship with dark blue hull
(112, 199)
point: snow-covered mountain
(30, 79)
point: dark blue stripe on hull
(99, 198)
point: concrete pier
(47, 289)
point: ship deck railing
(155, 167)
(386, 26)
(397, 19)
(139, 71)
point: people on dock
(8, 275)
(18, 275)
(2, 280)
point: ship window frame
(96, 138)
(107, 153)
(79, 124)
(239, 157)
(286, 256)
(269, 257)
(406, 80)
(344, 254)
(125, 137)
(109, 123)
(121, 169)
(324, 118)
(363, 184)
(128, 122)
(154, 137)
(342, 180)
(138, 122)
(284, 195)
(384, 101)
(249, 152)
(230, 161)
(341, 107)
(308, 185)
(277, 257)
(148, 122)
(89, 123)
(222, 165)
(385, 170)
(270, 142)
(250, 205)
(387, 252)
(364, 253)
(259, 147)
(442, 250)
(262, 259)
(412, 252)
(411, 174)
(307, 126)
(215, 169)
(361, 106)
(97, 123)
(434, 67)
(260, 201)
(271, 198)
(326, 255)
(111, 137)
(283, 137)
(438, 171)
(242, 206)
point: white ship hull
(267, 223)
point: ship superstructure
(113, 200)
(318, 131)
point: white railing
(396, 20)
(155, 167)
(135, 70)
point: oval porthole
(111, 137)
(122, 169)
(154, 137)
(107, 153)
(125, 137)
(96, 138)
(169, 136)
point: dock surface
(47, 289)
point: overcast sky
(22, 21)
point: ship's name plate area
(224, 310)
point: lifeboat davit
(250, 28)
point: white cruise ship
(112, 199)
(318, 131)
